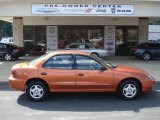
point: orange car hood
(123, 68)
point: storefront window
(29, 32)
(35, 39)
(71, 34)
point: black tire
(8, 57)
(129, 93)
(95, 54)
(146, 56)
(37, 91)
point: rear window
(13, 45)
(153, 45)
(144, 45)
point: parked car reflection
(86, 47)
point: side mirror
(103, 68)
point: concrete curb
(6, 83)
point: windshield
(107, 63)
(37, 59)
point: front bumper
(148, 85)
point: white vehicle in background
(95, 40)
(7, 40)
(86, 47)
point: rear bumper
(18, 54)
(137, 54)
(17, 84)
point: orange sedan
(74, 71)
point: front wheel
(37, 91)
(129, 90)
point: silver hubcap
(146, 56)
(7, 57)
(36, 91)
(129, 90)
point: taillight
(14, 73)
(134, 49)
(17, 50)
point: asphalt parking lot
(152, 66)
(14, 105)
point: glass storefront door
(126, 37)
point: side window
(62, 62)
(48, 64)
(87, 63)
(73, 46)
(82, 46)
(87, 47)
(59, 62)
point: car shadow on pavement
(91, 102)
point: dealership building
(115, 25)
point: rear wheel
(129, 90)
(8, 57)
(146, 56)
(37, 91)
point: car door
(154, 49)
(59, 73)
(90, 77)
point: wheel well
(95, 53)
(36, 79)
(146, 52)
(134, 79)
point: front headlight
(149, 76)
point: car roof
(69, 52)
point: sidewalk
(152, 66)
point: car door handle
(43, 73)
(80, 74)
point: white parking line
(1, 62)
